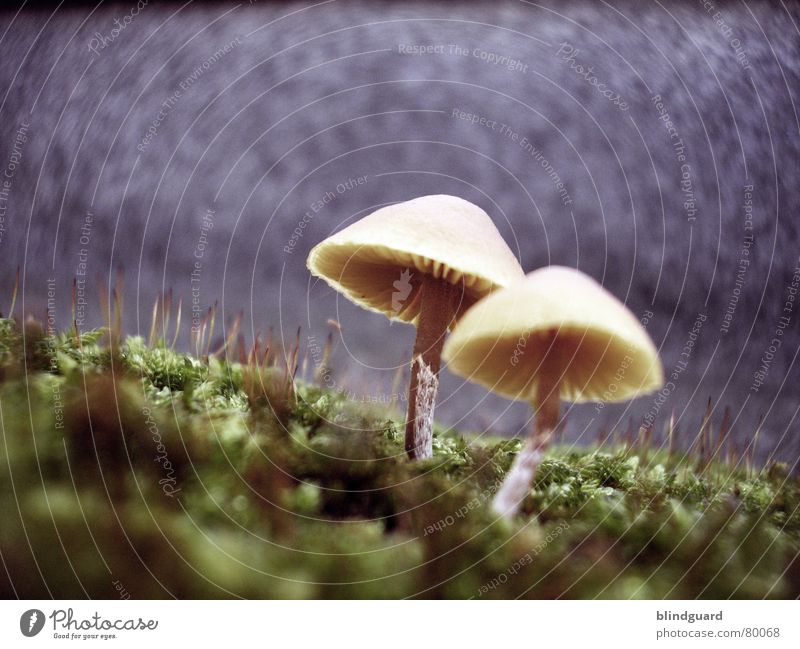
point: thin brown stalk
(151, 339)
(14, 295)
(705, 437)
(177, 324)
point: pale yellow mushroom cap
(378, 262)
(602, 351)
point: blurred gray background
(148, 116)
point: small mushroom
(423, 261)
(557, 334)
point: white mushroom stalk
(422, 400)
(547, 406)
(425, 262)
(557, 334)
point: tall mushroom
(557, 334)
(423, 261)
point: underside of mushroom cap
(602, 351)
(379, 261)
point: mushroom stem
(547, 400)
(437, 309)
(427, 387)
(547, 403)
(518, 480)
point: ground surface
(147, 473)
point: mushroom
(423, 261)
(556, 334)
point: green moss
(183, 477)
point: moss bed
(148, 473)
